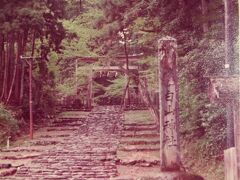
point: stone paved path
(80, 148)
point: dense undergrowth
(9, 126)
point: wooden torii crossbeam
(113, 68)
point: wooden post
(168, 100)
(90, 91)
(126, 96)
(30, 100)
(29, 60)
(236, 115)
(76, 78)
(123, 104)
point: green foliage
(77, 46)
(36, 21)
(109, 90)
(46, 105)
(190, 105)
(40, 16)
(70, 79)
(148, 68)
(140, 116)
(116, 89)
(8, 123)
(202, 120)
(79, 30)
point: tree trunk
(18, 71)
(14, 69)
(11, 64)
(30, 86)
(1, 61)
(22, 83)
(5, 76)
(24, 43)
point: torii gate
(90, 95)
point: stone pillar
(168, 105)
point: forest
(53, 34)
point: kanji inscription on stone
(169, 116)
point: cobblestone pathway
(72, 148)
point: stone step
(54, 136)
(20, 150)
(68, 120)
(18, 157)
(5, 166)
(83, 149)
(82, 152)
(140, 142)
(142, 135)
(62, 129)
(139, 163)
(138, 149)
(139, 125)
(140, 132)
(8, 172)
(75, 110)
(44, 143)
(65, 125)
(139, 128)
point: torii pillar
(168, 105)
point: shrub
(8, 123)
(201, 121)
